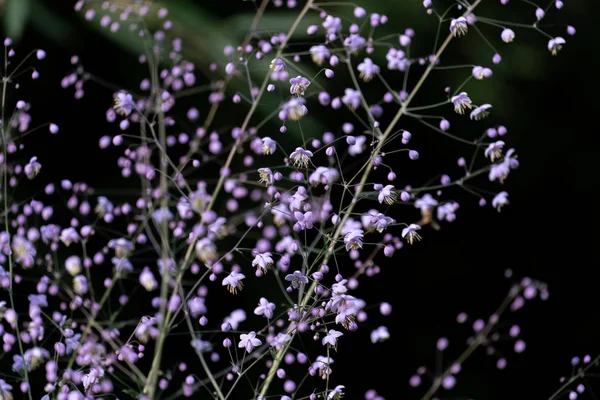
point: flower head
(249, 341)
(298, 85)
(410, 233)
(296, 279)
(124, 104)
(500, 200)
(459, 26)
(555, 45)
(301, 157)
(480, 112)
(353, 239)
(233, 281)
(368, 69)
(461, 102)
(32, 168)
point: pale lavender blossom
(461, 102)
(298, 85)
(263, 261)
(324, 175)
(331, 338)
(301, 157)
(387, 194)
(319, 54)
(351, 98)
(277, 65)
(480, 112)
(233, 281)
(459, 26)
(353, 239)
(354, 43)
(293, 110)
(494, 150)
(268, 145)
(32, 168)
(556, 44)
(500, 200)
(124, 103)
(296, 279)
(265, 308)
(410, 233)
(380, 334)
(249, 341)
(368, 69)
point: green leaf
(16, 17)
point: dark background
(548, 232)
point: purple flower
(319, 54)
(353, 239)
(263, 261)
(351, 98)
(332, 25)
(5, 390)
(459, 26)
(331, 338)
(376, 220)
(367, 69)
(293, 110)
(354, 43)
(556, 44)
(507, 35)
(501, 170)
(162, 214)
(197, 306)
(124, 104)
(494, 150)
(122, 247)
(277, 65)
(410, 233)
(297, 199)
(461, 102)
(323, 175)
(249, 341)
(396, 60)
(387, 195)
(266, 176)
(296, 279)
(427, 202)
(480, 112)
(104, 206)
(380, 334)
(206, 251)
(500, 200)
(268, 145)
(298, 85)
(147, 279)
(265, 308)
(233, 281)
(301, 157)
(69, 235)
(32, 168)
(358, 147)
(480, 72)
(323, 366)
(447, 211)
(24, 251)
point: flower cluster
(304, 218)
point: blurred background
(548, 232)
